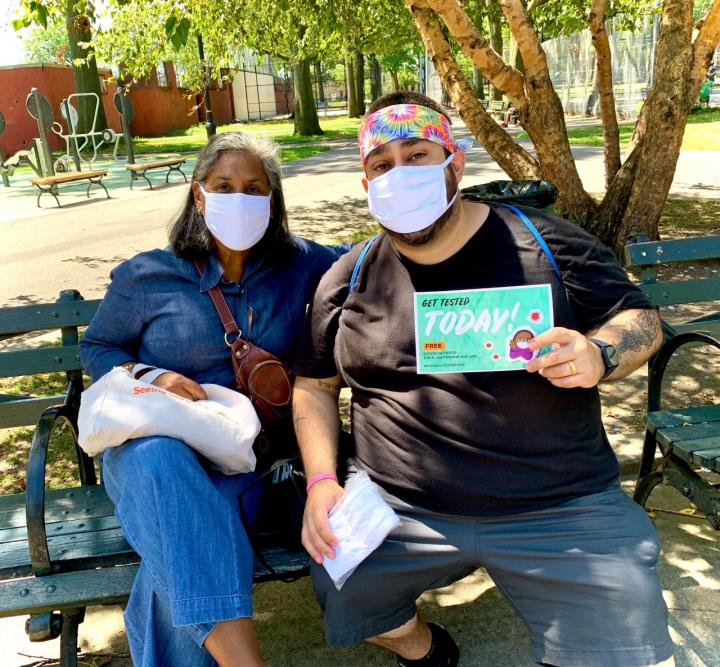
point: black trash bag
(537, 194)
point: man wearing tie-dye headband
(511, 471)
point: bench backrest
(497, 105)
(649, 256)
(66, 315)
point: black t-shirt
(476, 444)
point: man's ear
(458, 165)
(364, 182)
(199, 198)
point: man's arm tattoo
(640, 334)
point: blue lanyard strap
(533, 230)
(358, 263)
(538, 237)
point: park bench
(140, 169)
(62, 550)
(496, 108)
(483, 103)
(689, 437)
(50, 183)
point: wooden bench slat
(679, 250)
(60, 505)
(70, 551)
(137, 166)
(703, 326)
(40, 360)
(682, 291)
(22, 319)
(61, 528)
(670, 418)
(68, 178)
(98, 587)
(672, 436)
(687, 449)
(26, 411)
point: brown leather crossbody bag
(259, 374)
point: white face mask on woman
(237, 220)
(408, 199)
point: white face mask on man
(408, 199)
(237, 220)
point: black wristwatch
(609, 356)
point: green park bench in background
(688, 437)
(62, 550)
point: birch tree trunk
(603, 69)
(511, 157)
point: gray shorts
(581, 575)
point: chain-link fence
(572, 59)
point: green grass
(292, 153)
(15, 442)
(194, 138)
(702, 132)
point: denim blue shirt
(157, 310)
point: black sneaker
(444, 652)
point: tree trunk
(306, 118)
(359, 62)
(478, 81)
(318, 78)
(394, 78)
(666, 110)
(86, 75)
(496, 42)
(611, 133)
(353, 108)
(511, 157)
(680, 68)
(541, 113)
(375, 78)
(516, 56)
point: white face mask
(237, 220)
(408, 199)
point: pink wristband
(319, 478)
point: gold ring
(573, 369)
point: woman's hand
(180, 385)
(317, 538)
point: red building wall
(55, 82)
(157, 109)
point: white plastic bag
(360, 521)
(118, 407)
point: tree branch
(611, 132)
(475, 46)
(522, 29)
(511, 157)
(704, 46)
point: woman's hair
(188, 234)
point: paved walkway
(43, 251)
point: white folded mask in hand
(118, 407)
(360, 521)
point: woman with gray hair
(191, 602)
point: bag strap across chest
(523, 218)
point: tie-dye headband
(407, 121)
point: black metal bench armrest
(661, 359)
(35, 488)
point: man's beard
(435, 229)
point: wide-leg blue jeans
(184, 521)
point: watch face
(611, 356)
